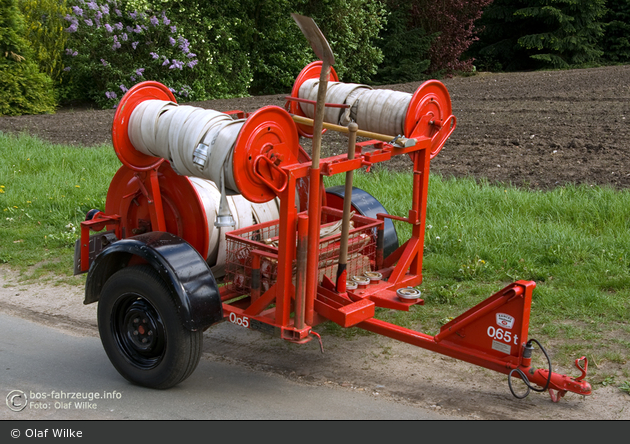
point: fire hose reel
(241, 156)
(421, 114)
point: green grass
(45, 191)
(573, 241)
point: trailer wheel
(142, 332)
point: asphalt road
(61, 376)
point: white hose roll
(245, 213)
(163, 129)
(377, 110)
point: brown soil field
(536, 130)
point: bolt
(144, 340)
(144, 321)
(135, 321)
(150, 333)
(135, 332)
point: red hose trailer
(148, 258)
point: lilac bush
(109, 50)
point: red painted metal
(310, 71)
(125, 151)
(272, 285)
(268, 138)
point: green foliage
(352, 27)
(24, 89)
(110, 49)
(530, 34)
(45, 31)
(405, 47)
(616, 40)
(258, 48)
(244, 47)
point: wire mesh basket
(264, 240)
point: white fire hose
(376, 110)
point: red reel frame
(429, 111)
(310, 71)
(269, 138)
(125, 150)
(184, 214)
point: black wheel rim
(138, 331)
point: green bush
(24, 89)
(258, 48)
(45, 32)
(109, 50)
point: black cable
(524, 376)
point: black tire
(142, 332)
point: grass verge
(45, 191)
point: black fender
(195, 291)
(367, 205)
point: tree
(616, 39)
(531, 34)
(453, 23)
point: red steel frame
(401, 269)
(291, 311)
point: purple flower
(93, 6)
(192, 63)
(116, 44)
(123, 88)
(190, 55)
(139, 71)
(117, 12)
(133, 79)
(88, 22)
(77, 11)
(176, 65)
(173, 29)
(165, 62)
(108, 27)
(72, 28)
(172, 41)
(124, 37)
(69, 18)
(165, 20)
(134, 44)
(105, 9)
(129, 29)
(154, 21)
(119, 26)
(133, 15)
(183, 44)
(154, 55)
(111, 95)
(67, 68)
(137, 29)
(104, 62)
